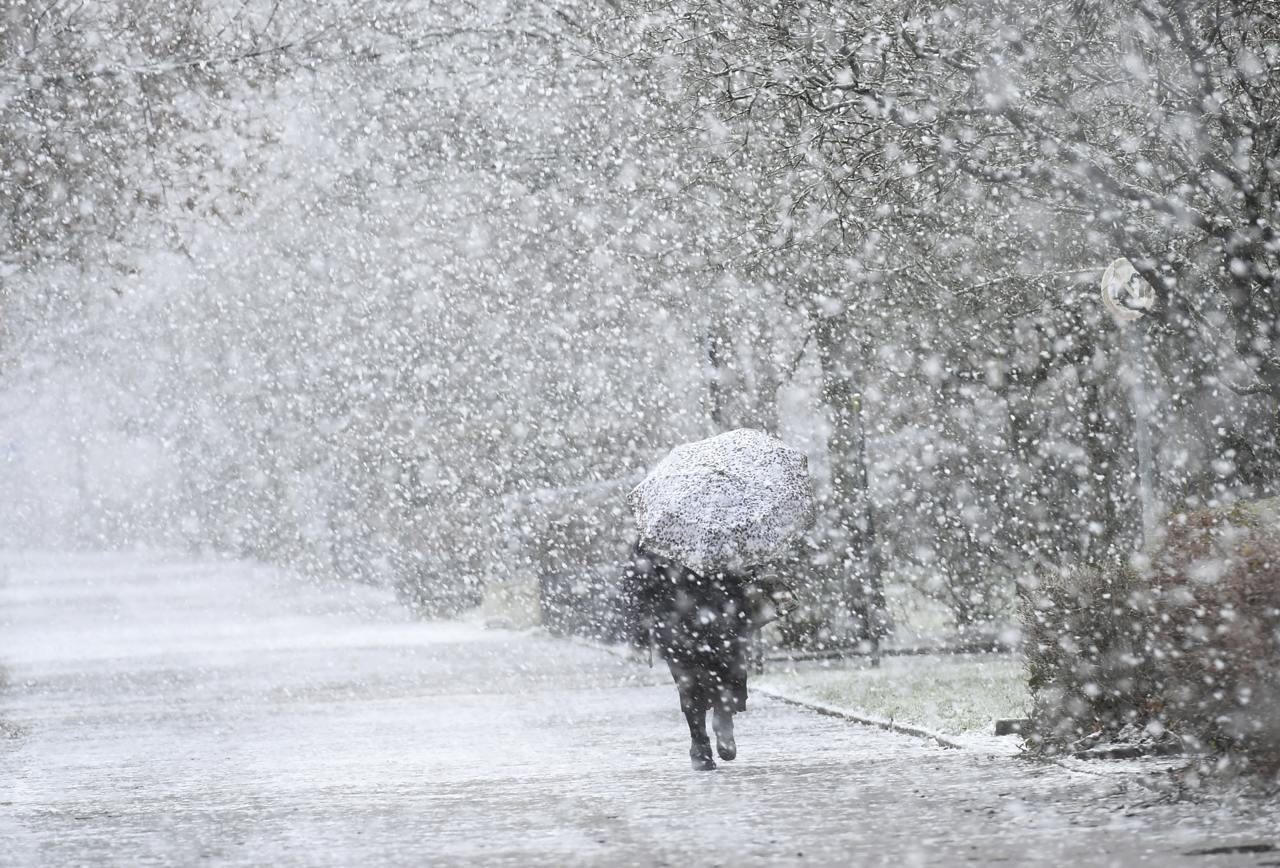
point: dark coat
(701, 625)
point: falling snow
(332, 332)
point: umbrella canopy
(727, 502)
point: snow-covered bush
(1087, 647)
(1218, 582)
(1190, 642)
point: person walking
(708, 516)
(702, 626)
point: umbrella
(727, 502)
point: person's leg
(699, 742)
(739, 669)
(722, 724)
(731, 693)
(694, 703)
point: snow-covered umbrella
(730, 501)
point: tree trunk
(850, 520)
(736, 400)
(719, 348)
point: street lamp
(1128, 297)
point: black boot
(722, 723)
(700, 756)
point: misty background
(410, 293)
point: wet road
(160, 712)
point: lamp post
(1128, 297)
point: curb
(622, 652)
(864, 719)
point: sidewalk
(175, 713)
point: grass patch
(953, 695)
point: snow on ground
(176, 712)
